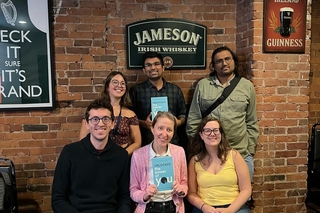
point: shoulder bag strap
(226, 92)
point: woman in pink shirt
(150, 171)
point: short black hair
(150, 54)
(99, 103)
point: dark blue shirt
(141, 100)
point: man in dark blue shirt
(156, 86)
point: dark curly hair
(99, 103)
(234, 57)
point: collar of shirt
(215, 80)
(150, 85)
(155, 155)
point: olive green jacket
(237, 113)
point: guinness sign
(284, 26)
(181, 43)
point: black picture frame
(26, 55)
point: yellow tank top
(218, 189)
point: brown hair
(164, 114)
(198, 148)
(125, 99)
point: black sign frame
(26, 55)
(182, 43)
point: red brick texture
(89, 42)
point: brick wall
(314, 106)
(89, 42)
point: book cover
(158, 104)
(163, 174)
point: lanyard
(115, 130)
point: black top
(89, 181)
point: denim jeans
(243, 209)
(249, 161)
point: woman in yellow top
(219, 180)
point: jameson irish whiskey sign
(284, 26)
(25, 55)
(181, 43)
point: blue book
(163, 174)
(158, 104)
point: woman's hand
(209, 209)
(223, 210)
(150, 192)
(178, 189)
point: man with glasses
(156, 86)
(237, 112)
(92, 175)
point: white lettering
(21, 36)
(146, 49)
(167, 34)
(169, 180)
(30, 91)
(7, 75)
(284, 42)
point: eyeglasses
(149, 65)
(95, 120)
(220, 61)
(117, 83)
(208, 131)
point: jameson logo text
(167, 34)
(181, 43)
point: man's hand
(148, 122)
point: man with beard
(92, 175)
(237, 112)
(155, 86)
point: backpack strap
(6, 178)
(226, 92)
(2, 192)
(6, 193)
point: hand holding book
(163, 173)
